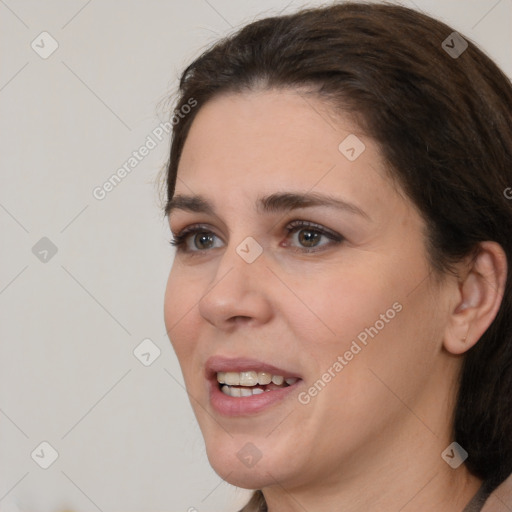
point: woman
(340, 299)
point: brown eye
(195, 240)
(203, 240)
(309, 237)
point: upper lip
(217, 364)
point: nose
(238, 293)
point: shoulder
(500, 500)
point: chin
(242, 461)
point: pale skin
(372, 438)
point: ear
(478, 298)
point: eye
(198, 239)
(309, 235)
(195, 238)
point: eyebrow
(277, 202)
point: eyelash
(180, 238)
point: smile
(243, 386)
(252, 382)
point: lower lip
(240, 406)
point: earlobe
(479, 297)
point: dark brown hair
(443, 124)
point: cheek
(333, 307)
(373, 317)
(386, 338)
(180, 300)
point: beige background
(124, 432)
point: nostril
(240, 318)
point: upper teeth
(252, 378)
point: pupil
(308, 237)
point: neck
(420, 482)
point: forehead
(256, 143)
(264, 129)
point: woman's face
(337, 296)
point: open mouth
(252, 382)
